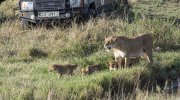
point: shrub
(34, 52)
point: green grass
(163, 8)
(26, 54)
(24, 80)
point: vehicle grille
(49, 4)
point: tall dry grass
(81, 40)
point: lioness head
(110, 42)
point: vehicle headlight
(26, 5)
(74, 3)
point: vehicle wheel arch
(92, 5)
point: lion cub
(91, 69)
(113, 65)
(63, 69)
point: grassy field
(26, 54)
(164, 8)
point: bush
(34, 52)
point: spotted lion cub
(63, 69)
(113, 65)
(91, 69)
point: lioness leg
(148, 56)
(145, 57)
(119, 60)
(127, 61)
(149, 53)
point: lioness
(62, 69)
(113, 65)
(91, 69)
(124, 47)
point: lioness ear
(105, 37)
(108, 63)
(115, 38)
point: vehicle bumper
(67, 14)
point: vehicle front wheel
(27, 25)
(91, 13)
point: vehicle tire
(27, 25)
(92, 13)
